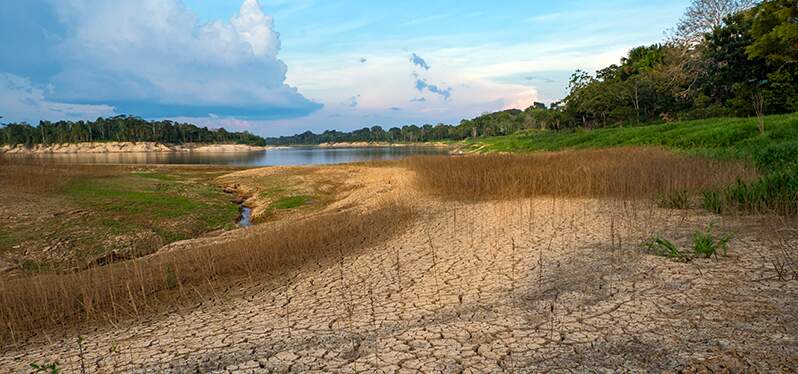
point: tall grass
(772, 148)
(33, 176)
(617, 172)
(152, 284)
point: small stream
(246, 217)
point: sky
(279, 67)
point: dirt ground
(541, 285)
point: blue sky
(277, 67)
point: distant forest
(120, 129)
(725, 58)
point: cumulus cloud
(155, 59)
(418, 61)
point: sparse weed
(712, 202)
(47, 368)
(706, 244)
(664, 247)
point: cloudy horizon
(276, 67)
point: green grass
(290, 202)
(719, 136)
(774, 153)
(169, 206)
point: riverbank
(129, 147)
(381, 145)
(517, 281)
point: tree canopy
(122, 129)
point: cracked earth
(541, 285)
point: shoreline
(154, 147)
(129, 147)
(381, 145)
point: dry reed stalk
(44, 302)
(434, 269)
(623, 172)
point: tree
(703, 16)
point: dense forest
(121, 129)
(725, 58)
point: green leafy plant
(664, 247)
(49, 368)
(706, 244)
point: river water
(274, 157)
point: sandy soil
(129, 147)
(521, 286)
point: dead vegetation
(31, 176)
(152, 284)
(620, 172)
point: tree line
(120, 129)
(724, 58)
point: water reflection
(275, 157)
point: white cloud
(20, 101)
(154, 58)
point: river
(275, 157)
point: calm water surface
(275, 157)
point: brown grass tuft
(618, 172)
(156, 283)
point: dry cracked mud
(541, 285)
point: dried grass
(617, 172)
(163, 281)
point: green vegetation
(121, 129)
(290, 202)
(706, 244)
(141, 200)
(106, 210)
(664, 247)
(47, 368)
(731, 137)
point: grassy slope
(775, 152)
(718, 136)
